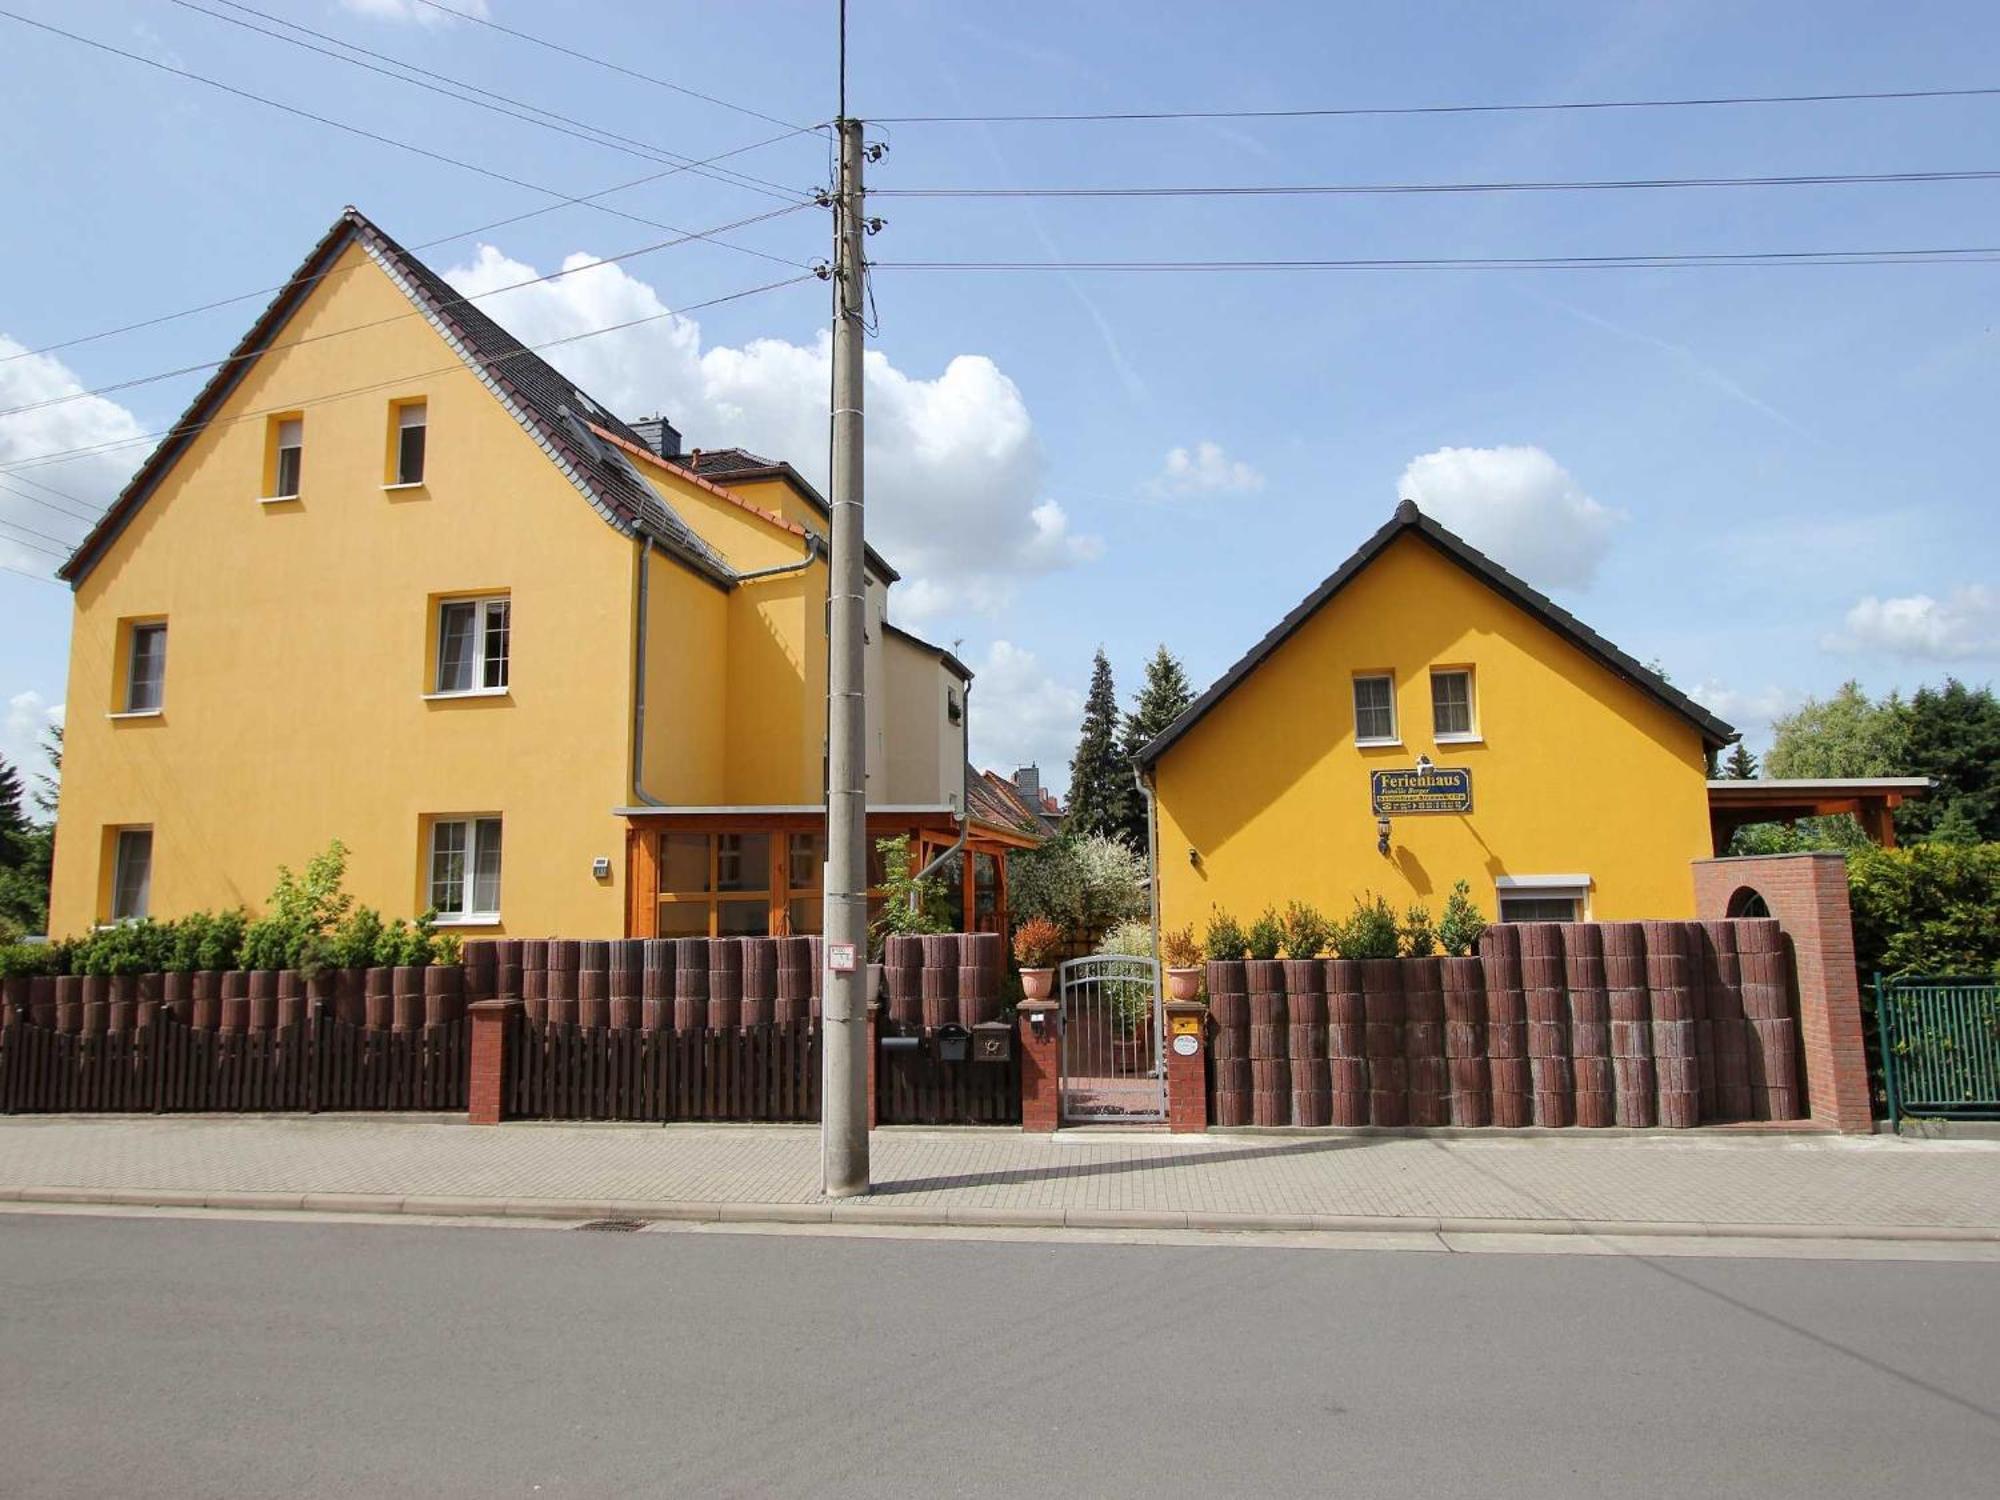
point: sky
(1767, 479)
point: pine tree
(1741, 765)
(1101, 790)
(1165, 694)
(13, 817)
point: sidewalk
(1823, 1187)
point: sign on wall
(1427, 789)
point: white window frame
(411, 415)
(1574, 888)
(132, 707)
(1470, 735)
(481, 606)
(118, 867)
(473, 829)
(1395, 735)
(295, 428)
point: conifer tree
(1160, 701)
(1741, 765)
(1100, 783)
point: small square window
(132, 875)
(1375, 710)
(412, 423)
(465, 868)
(146, 669)
(1451, 705)
(290, 442)
(474, 641)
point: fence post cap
(1026, 1007)
(1187, 1007)
(495, 1007)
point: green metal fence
(1940, 1046)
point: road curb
(888, 1212)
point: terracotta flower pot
(1183, 984)
(1038, 984)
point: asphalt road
(166, 1357)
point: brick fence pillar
(484, 1101)
(1041, 1064)
(1187, 1072)
(1807, 893)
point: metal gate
(1113, 1062)
(1940, 1046)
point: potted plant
(1182, 955)
(1038, 944)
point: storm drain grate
(614, 1226)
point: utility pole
(844, 1028)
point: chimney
(657, 433)
(1029, 781)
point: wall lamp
(1194, 856)
(1382, 837)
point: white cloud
(1751, 710)
(1022, 716)
(1966, 623)
(28, 718)
(413, 11)
(56, 500)
(1204, 469)
(1518, 505)
(956, 475)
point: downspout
(813, 545)
(639, 793)
(964, 800)
(1152, 854)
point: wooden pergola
(1871, 799)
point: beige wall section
(299, 647)
(924, 759)
(1577, 771)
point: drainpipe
(782, 569)
(964, 799)
(1152, 854)
(639, 793)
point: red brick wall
(1807, 893)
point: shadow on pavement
(1063, 1171)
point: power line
(546, 119)
(61, 549)
(1365, 111)
(371, 135)
(443, 239)
(65, 455)
(24, 573)
(1830, 179)
(741, 109)
(331, 333)
(88, 518)
(1961, 255)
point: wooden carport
(1871, 799)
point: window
(412, 421)
(465, 869)
(1451, 705)
(132, 875)
(146, 670)
(472, 647)
(291, 449)
(739, 884)
(1543, 898)
(1375, 711)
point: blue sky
(1767, 479)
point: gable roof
(538, 396)
(1408, 520)
(950, 662)
(997, 801)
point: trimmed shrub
(1267, 935)
(1926, 909)
(1461, 925)
(1225, 940)
(1419, 938)
(1369, 932)
(1307, 931)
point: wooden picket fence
(557, 1070)
(168, 1066)
(913, 1088)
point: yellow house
(1425, 717)
(395, 580)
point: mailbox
(953, 1042)
(993, 1042)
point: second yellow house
(394, 579)
(1425, 717)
